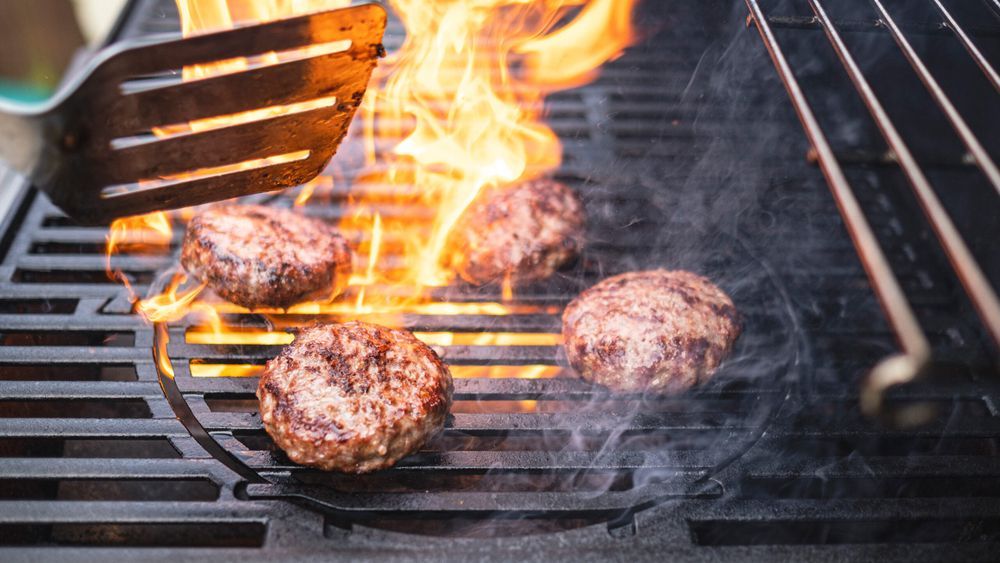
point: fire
(151, 233)
(570, 56)
(456, 112)
(225, 370)
(232, 336)
(199, 369)
(201, 16)
(464, 120)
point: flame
(225, 370)
(571, 55)
(374, 249)
(347, 308)
(203, 16)
(231, 336)
(463, 121)
(490, 338)
(151, 233)
(505, 372)
(456, 112)
(199, 369)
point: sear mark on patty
(353, 397)
(257, 256)
(526, 231)
(657, 331)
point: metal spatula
(91, 150)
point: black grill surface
(687, 155)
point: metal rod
(897, 308)
(186, 416)
(971, 276)
(977, 56)
(871, 26)
(996, 6)
(961, 127)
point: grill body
(687, 154)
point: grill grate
(770, 461)
(956, 136)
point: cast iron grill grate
(771, 461)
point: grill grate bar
(500, 388)
(537, 422)
(883, 279)
(911, 466)
(971, 142)
(489, 502)
(974, 51)
(111, 468)
(71, 355)
(91, 427)
(28, 390)
(902, 369)
(453, 355)
(969, 272)
(525, 461)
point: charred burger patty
(657, 331)
(525, 231)
(257, 256)
(353, 397)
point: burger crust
(526, 232)
(257, 256)
(353, 397)
(658, 331)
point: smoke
(694, 198)
(692, 158)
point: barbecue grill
(688, 153)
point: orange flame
(150, 233)
(202, 16)
(459, 111)
(463, 121)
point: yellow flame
(234, 337)
(150, 233)
(506, 372)
(170, 305)
(374, 248)
(457, 111)
(463, 121)
(225, 370)
(230, 336)
(571, 55)
(458, 372)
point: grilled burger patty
(257, 256)
(527, 231)
(657, 331)
(353, 397)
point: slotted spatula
(90, 147)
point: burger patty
(257, 256)
(525, 231)
(353, 397)
(658, 331)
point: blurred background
(40, 38)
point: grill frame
(956, 450)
